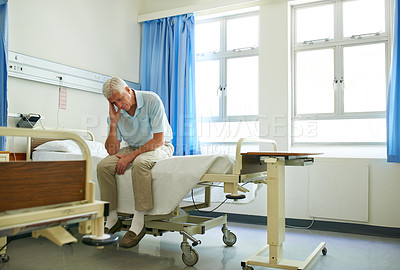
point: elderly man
(139, 118)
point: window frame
(223, 55)
(337, 43)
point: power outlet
(15, 68)
(99, 77)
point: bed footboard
(34, 184)
(41, 197)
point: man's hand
(114, 115)
(123, 163)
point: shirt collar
(139, 98)
(139, 102)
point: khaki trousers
(141, 176)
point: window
(227, 77)
(340, 65)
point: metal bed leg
(57, 235)
(3, 246)
(99, 238)
(191, 238)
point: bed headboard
(33, 142)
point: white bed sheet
(173, 178)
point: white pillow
(69, 146)
(59, 146)
(96, 148)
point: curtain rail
(206, 8)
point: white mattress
(173, 178)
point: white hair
(113, 84)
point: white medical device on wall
(28, 120)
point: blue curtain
(393, 101)
(3, 68)
(167, 68)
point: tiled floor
(345, 251)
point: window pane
(242, 32)
(208, 37)
(350, 130)
(207, 84)
(242, 86)
(363, 17)
(227, 131)
(314, 81)
(314, 23)
(364, 78)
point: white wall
(383, 178)
(96, 35)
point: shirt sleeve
(157, 116)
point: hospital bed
(41, 197)
(173, 179)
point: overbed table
(275, 163)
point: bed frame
(247, 168)
(73, 206)
(189, 225)
(41, 197)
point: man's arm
(153, 144)
(112, 143)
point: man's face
(122, 101)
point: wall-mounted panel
(39, 70)
(339, 190)
(35, 69)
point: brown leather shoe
(130, 238)
(117, 227)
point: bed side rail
(237, 167)
(32, 142)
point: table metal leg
(276, 224)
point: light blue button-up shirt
(149, 118)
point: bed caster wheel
(230, 239)
(190, 259)
(235, 196)
(5, 258)
(247, 268)
(105, 240)
(324, 251)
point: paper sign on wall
(62, 98)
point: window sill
(345, 151)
